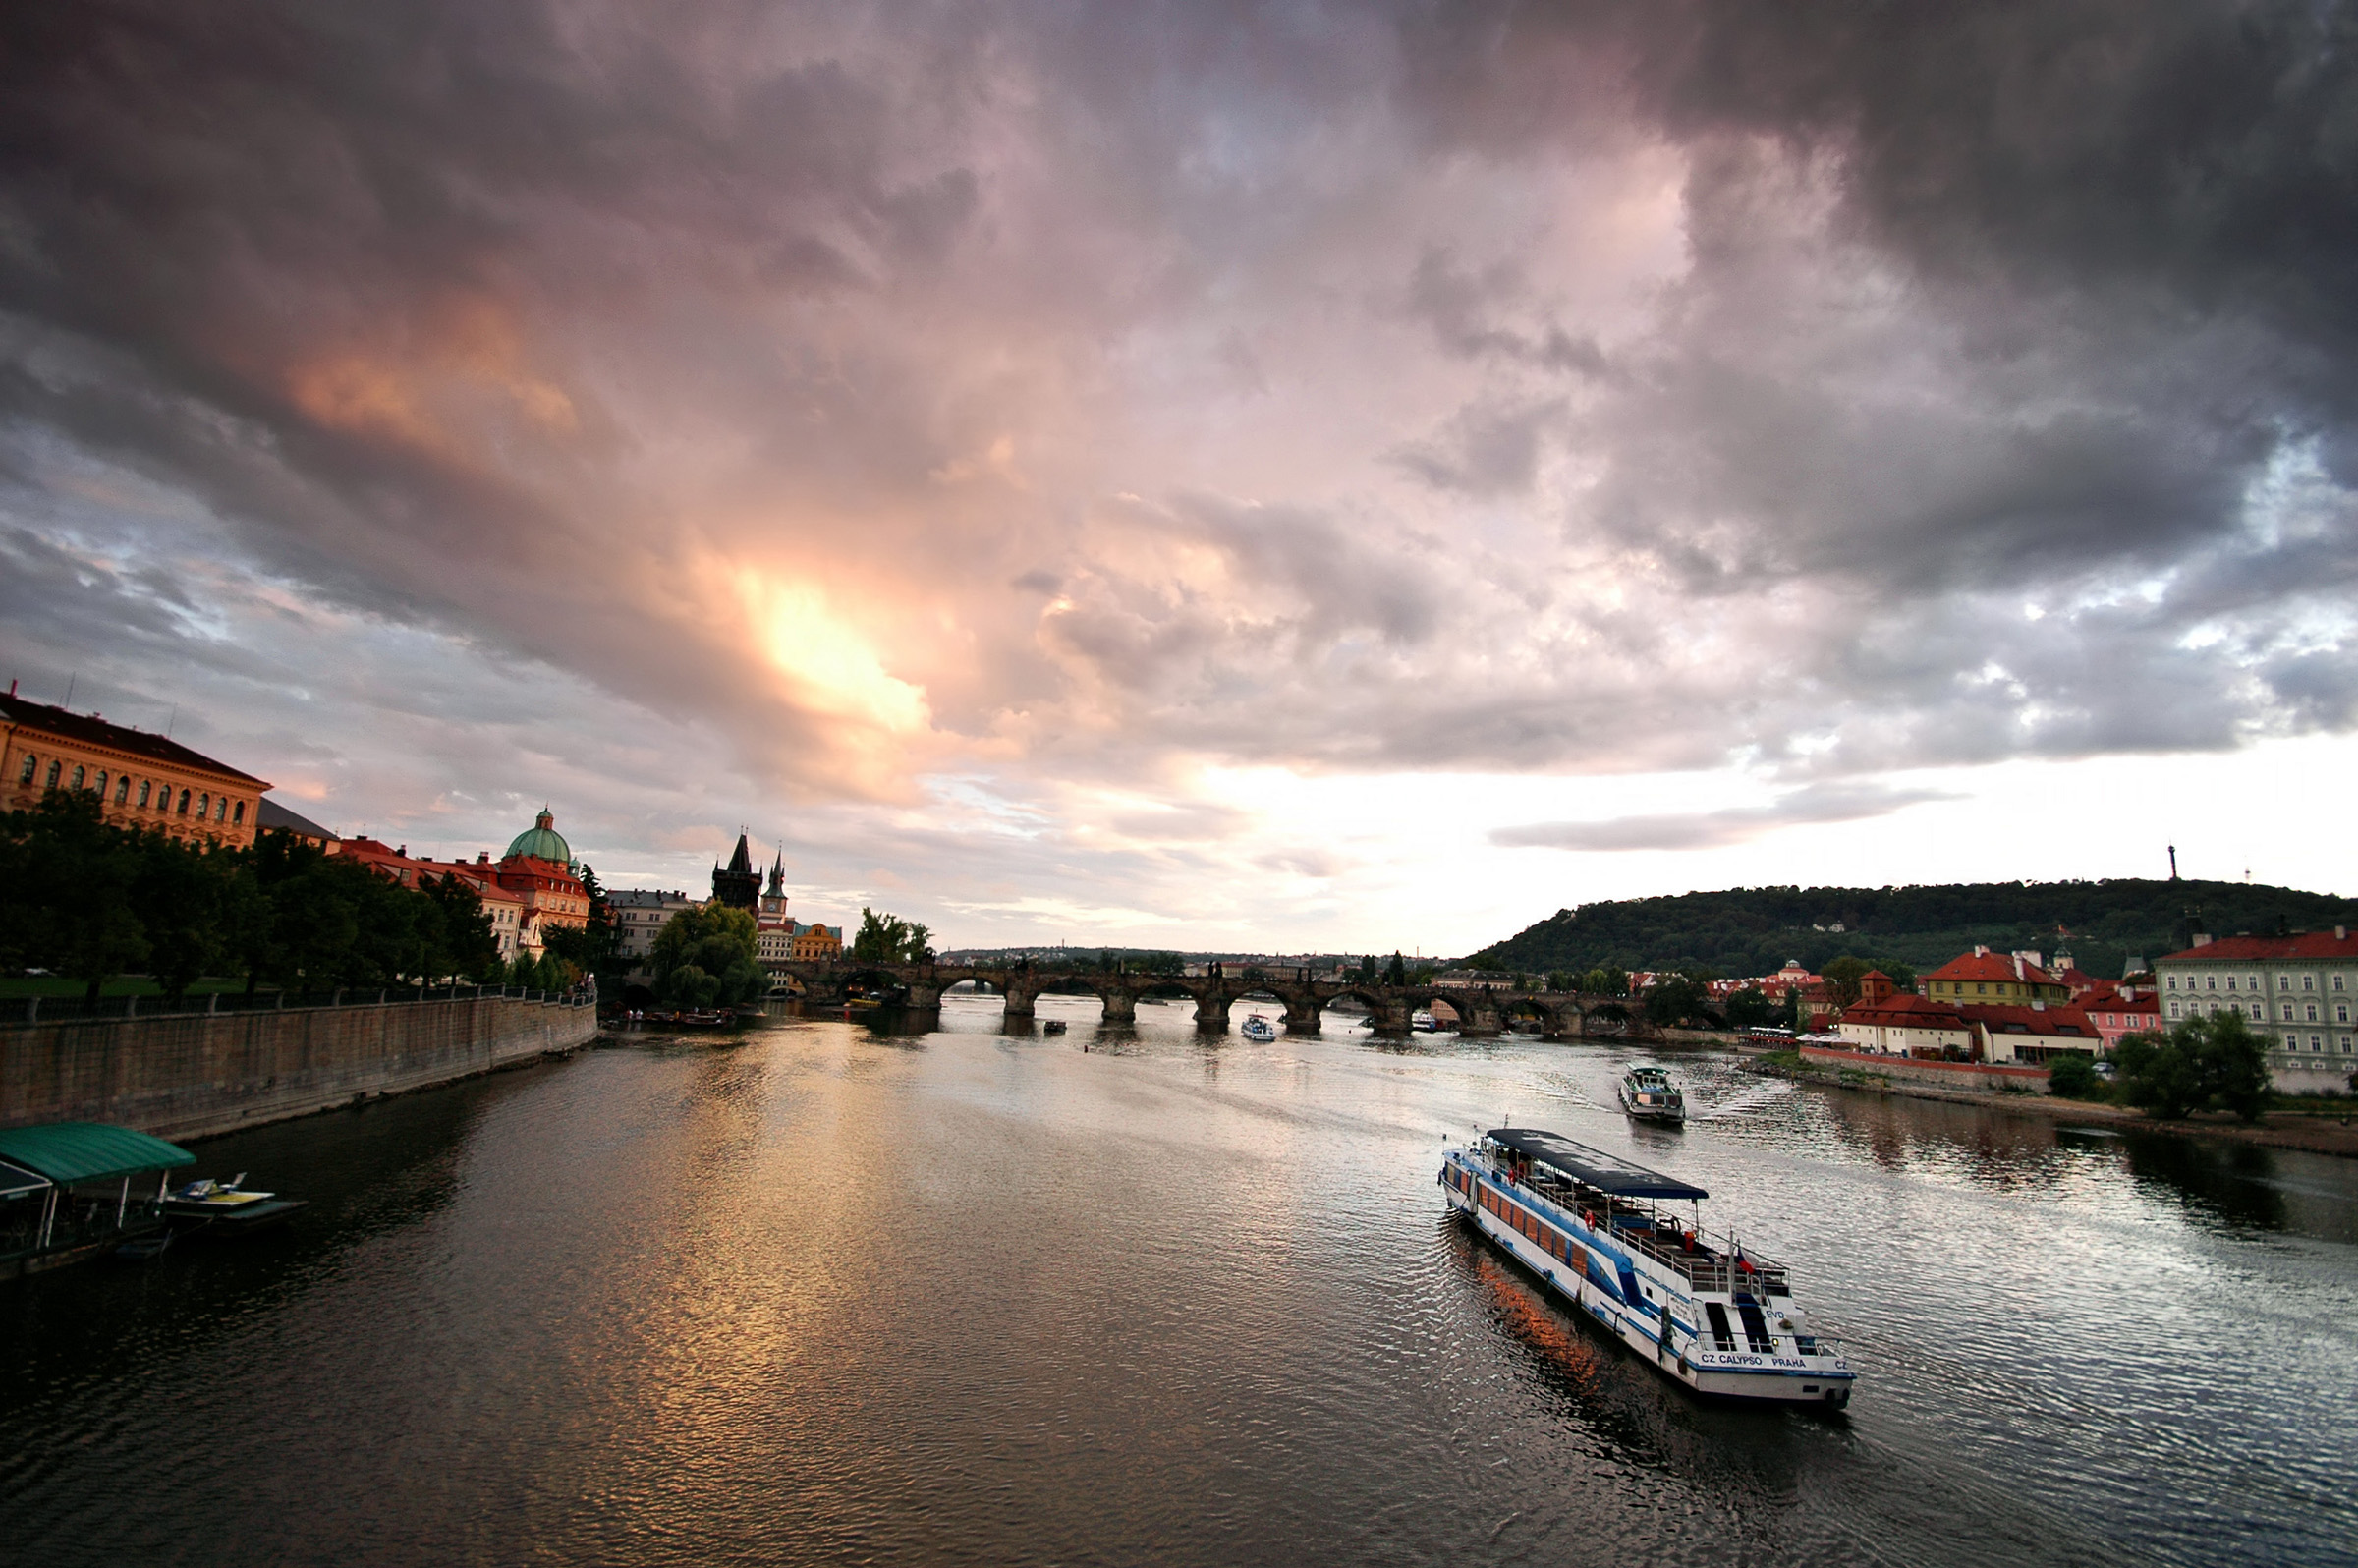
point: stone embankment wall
(1983, 1076)
(190, 1075)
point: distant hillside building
(140, 780)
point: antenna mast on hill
(2173, 863)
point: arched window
(123, 790)
(238, 816)
(100, 786)
(221, 809)
(31, 762)
(78, 776)
(146, 792)
(205, 807)
(50, 782)
(183, 802)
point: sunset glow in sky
(1345, 477)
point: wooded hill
(1753, 930)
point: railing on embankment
(189, 1073)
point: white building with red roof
(1987, 1032)
(2298, 991)
(1908, 1025)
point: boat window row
(1554, 1243)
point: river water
(829, 1295)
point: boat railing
(1707, 1264)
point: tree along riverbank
(2327, 1131)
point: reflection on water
(839, 1291)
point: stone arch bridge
(1560, 1015)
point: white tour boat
(1259, 1029)
(1706, 1312)
(1649, 1096)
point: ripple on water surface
(830, 1294)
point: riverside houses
(2298, 991)
(1982, 1031)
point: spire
(778, 874)
(741, 863)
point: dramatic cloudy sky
(1351, 475)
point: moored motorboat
(1424, 1022)
(1706, 1312)
(1260, 1030)
(224, 1210)
(1649, 1096)
(1055, 1025)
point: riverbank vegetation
(890, 940)
(1755, 931)
(707, 955)
(83, 899)
(94, 905)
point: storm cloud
(1044, 403)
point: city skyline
(1344, 478)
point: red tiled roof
(2243, 949)
(1907, 1010)
(2107, 999)
(91, 730)
(1988, 966)
(1999, 1018)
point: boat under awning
(16, 1181)
(1607, 1173)
(66, 1153)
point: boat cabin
(71, 1190)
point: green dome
(543, 840)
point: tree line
(90, 901)
(1754, 931)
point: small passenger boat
(1260, 1030)
(1649, 1096)
(1055, 1025)
(225, 1209)
(1708, 1313)
(1424, 1022)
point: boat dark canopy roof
(87, 1151)
(1605, 1172)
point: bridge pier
(1477, 1018)
(1302, 1015)
(1392, 1015)
(1020, 994)
(1121, 1004)
(1211, 1009)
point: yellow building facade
(141, 780)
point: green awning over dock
(87, 1151)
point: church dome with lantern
(542, 841)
